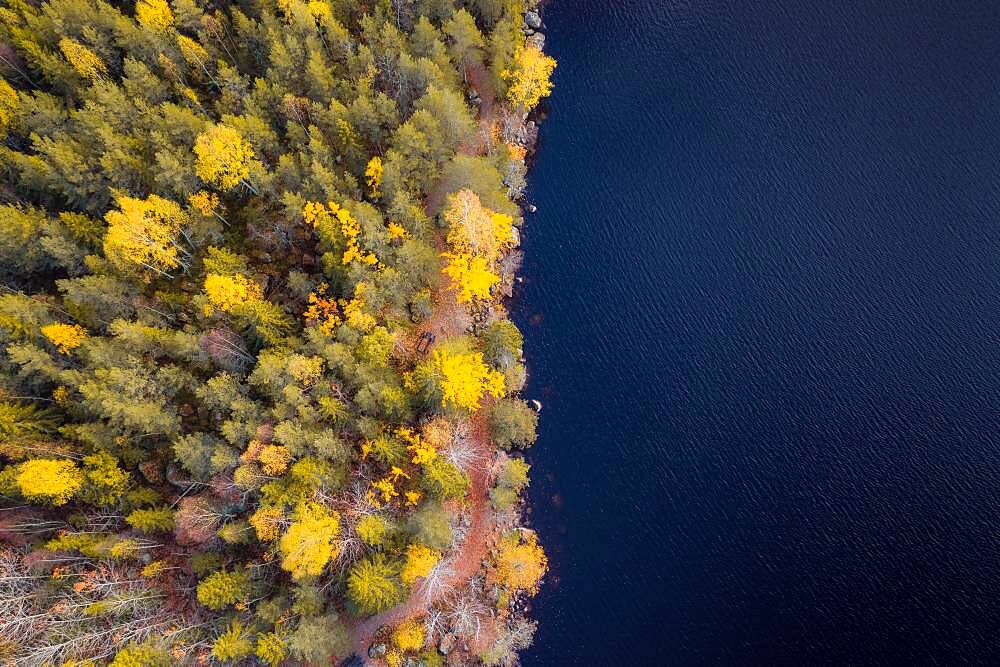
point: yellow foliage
(204, 202)
(86, 63)
(474, 229)
(307, 546)
(396, 231)
(9, 104)
(61, 394)
(274, 459)
(354, 310)
(412, 498)
(154, 569)
(154, 15)
(49, 480)
(470, 277)
(334, 217)
(224, 157)
(420, 560)
(372, 529)
(144, 232)
(530, 79)
(423, 452)
(192, 52)
(267, 522)
(230, 292)
(409, 635)
(519, 563)
(465, 378)
(66, 337)
(373, 175)
(307, 370)
(322, 311)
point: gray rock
(376, 650)
(537, 40)
(533, 20)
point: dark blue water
(763, 311)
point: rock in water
(533, 20)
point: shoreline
(371, 636)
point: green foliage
(193, 371)
(373, 585)
(513, 424)
(502, 342)
(152, 520)
(373, 530)
(444, 480)
(271, 649)
(431, 525)
(233, 644)
(317, 639)
(141, 655)
(222, 589)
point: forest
(259, 393)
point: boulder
(533, 20)
(537, 40)
(376, 650)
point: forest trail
(449, 318)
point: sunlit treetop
(224, 157)
(144, 233)
(66, 337)
(530, 77)
(471, 279)
(52, 481)
(86, 63)
(475, 229)
(9, 104)
(308, 544)
(154, 15)
(226, 293)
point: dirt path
(449, 318)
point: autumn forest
(259, 394)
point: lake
(762, 310)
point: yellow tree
(307, 546)
(456, 377)
(420, 560)
(227, 293)
(66, 337)
(475, 229)
(373, 175)
(409, 635)
(372, 586)
(86, 63)
(9, 104)
(520, 563)
(154, 15)
(145, 232)
(470, 277)
(530, 77)
(52, 481)
(224, 158)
